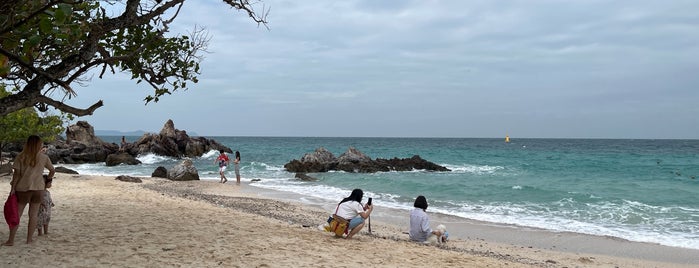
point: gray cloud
(597, 69)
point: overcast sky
(534, 68)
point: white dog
(434, 239)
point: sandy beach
(102, 222)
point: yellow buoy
(507, 138)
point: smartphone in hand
(369, 202)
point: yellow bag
(339, 225)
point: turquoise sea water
(640, 190)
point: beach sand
(102, 222)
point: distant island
(129, 133)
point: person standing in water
(236, 163)
(222, 160)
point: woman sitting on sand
(351, 209)
(419, 222)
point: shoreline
(515, 235)
(99, 221)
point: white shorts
(222, 169)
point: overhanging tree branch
(70, 109)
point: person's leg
(13, 231)
(237, 176)
(34, 205)
(33, 218)
(355, 225)
(223, 175)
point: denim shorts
(356, 221)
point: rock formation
(184, 171)
(173, 142)
(82, 146)
(354, 161)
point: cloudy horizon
(529, 69)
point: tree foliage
(18, 125)
(48, 46)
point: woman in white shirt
(351, 209)
(419, 222)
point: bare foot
(8, 244)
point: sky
(471, 69)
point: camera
(369, 202)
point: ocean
(639, 190)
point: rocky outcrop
(175, 143)
(355, 161)
(184, 171)
(82, 146)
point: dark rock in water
(159, 172)
(65, 170)
(121, 158)
(356, 162)
(128, 179)
(304, 177)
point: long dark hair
(237, 155)
(420, 202)
(356, 195)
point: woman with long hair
(236, 164)
(28, 183)
(351, 209)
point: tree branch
(70, 109)
(48, 77)
(39, 11)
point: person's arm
(49, 166)
(367, 211)
(13, 182)
(425, 225)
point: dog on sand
(436, 240)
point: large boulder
(355, 161)
(121, 158)
(159, 172)
(321, 160)
(184, 171)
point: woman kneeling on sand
(351, 208)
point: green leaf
(45, 25)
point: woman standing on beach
(351, 209)
(236, 163)
(28, 183)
